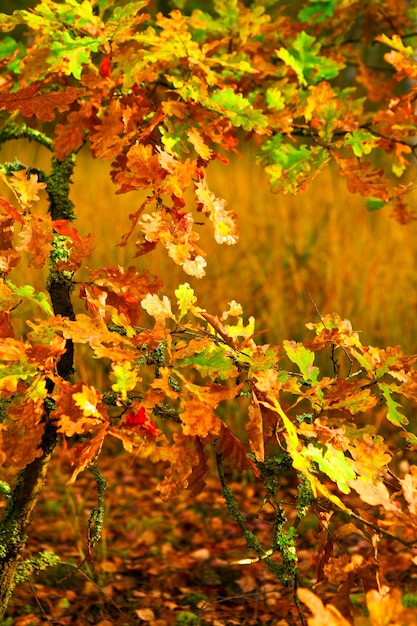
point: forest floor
(158, 563)
(161, 563)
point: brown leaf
(234, 451)
(9, 258)
(188, 466)
(362, 179)
(84, 454)
(30, 102)
(254, 428)
(69, 137)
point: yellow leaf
(146, 615)
(87, 401)
(25, 189)
(322, 615)
(300, 459)
(384, 607)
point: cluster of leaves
(162, 96)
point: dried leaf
(234, 451)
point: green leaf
(275, 99)
(74, 53)
(333, 463)
(227, 11)
(212, 362)
(374, 204)
(317, 11)
(291, 167)
(12, 372)
(393, 414)
(304, 58)
(27, 291)
(125, 379)
(186, 299)
(8, 47)
(238, 109)
(361, 141)
(304, 359)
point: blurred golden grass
(323, 242)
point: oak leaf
(409, 487)
(234, 451)
(375, 494)
(362, 179)
(124, 378)
(69, 137)
(9, 258)
(140, 171)
(158, 308)
(25, 187)
(199, 419)
(19, 447)
(108, 137)
(123, 289)
(138, 420)
(84, 454)
(79, 409)
(30, 101)
(185, 458)
(36, 239)
(224, 222)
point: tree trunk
(18, 514)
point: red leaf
(139, 419)
(104, 68)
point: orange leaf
(8, 256)
(26, 189)
(84, 454)
(327, 615)
(375, 494)
(20, 447)
(36, 238)
(185, 457)
(361, 179)
(199, 418)
(109, 136)
(141, 170)
(79, 409)
(30, 102)
(69, 137)
(409, 486)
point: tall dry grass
(322, 242)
